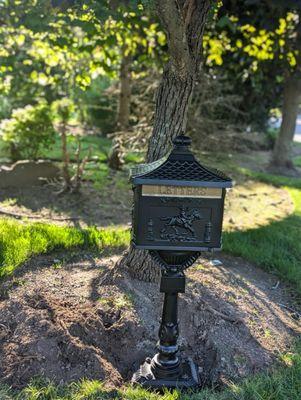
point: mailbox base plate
(188, 377)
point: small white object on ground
(216, 262)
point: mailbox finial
(182, 142)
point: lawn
(19, 242)
(100, 148)
(275, 247)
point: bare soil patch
(248, 205)
(62, 320)
(110, 206)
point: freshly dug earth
(65, 319)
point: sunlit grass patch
(98, 173)
(20, 241)
(123, 300)
(253, 204)
(276, 246)
(100, 147)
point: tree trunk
(115, 159)
(14, 152)
(184, 22)
(65, 158)
(281, 157)
(170, 120)
(125, 92)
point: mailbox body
(181, 223)
(178, 203)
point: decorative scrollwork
(169, 334)
(180, 266)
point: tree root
(209, 308)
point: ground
(249, 204)
(63, 321)
(64, 317)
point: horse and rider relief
(180, 227)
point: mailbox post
(177, 213)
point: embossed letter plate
(181, 191)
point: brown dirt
(248, 205)
(64, 321)
(108, 206)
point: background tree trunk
(184, 23)
(125, 92)
(281, 157)
(65, 158)
(124, 107)
(14, 152)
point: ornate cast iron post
(166, 369)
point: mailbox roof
(179, 168)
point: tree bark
(14, 152)
(65, 158)
(124, 107)
(170, 120)
(125, 92)
(184, 23)
(281, 157)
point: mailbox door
(179, 223)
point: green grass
(98, 173)
(283, 383)
(19, 242)
(134, 158)
(297, 161)
(100, 147)
(275, 247)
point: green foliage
(18, 242)
(63, 109)
(100, 106)
(282, 383)
(52, 52)
(271, 135)
(254, 44)
(129, 30)
(28, 131)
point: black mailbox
(178, 203)
(177, 213)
